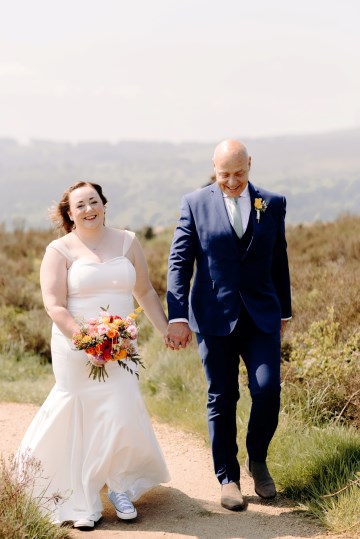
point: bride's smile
(86, 207)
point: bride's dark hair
(59, 214)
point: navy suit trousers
(220, 357)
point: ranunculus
(132, 331)
(112, 333)
(258, 203)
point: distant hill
(144, 181)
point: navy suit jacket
(228, 278)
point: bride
(89, 433)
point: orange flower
(121, 354)
(112, 333)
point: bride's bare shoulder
(62, 246)
(64, 241)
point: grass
(319, 468)
(26, 379)
(22, 516)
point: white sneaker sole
(126, 516)
(84, 524)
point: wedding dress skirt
(90, 433)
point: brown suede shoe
(231, 497)
(263, 482)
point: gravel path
(187, 507)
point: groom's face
(232, 172)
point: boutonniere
(259, 205)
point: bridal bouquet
(109, 338)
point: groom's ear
(249, 162)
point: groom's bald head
(232, 166)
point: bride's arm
(53, 281)
(144, 292)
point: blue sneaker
(123, 506)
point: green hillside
(144, 181)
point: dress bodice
(92, 285)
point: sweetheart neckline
(104, 262)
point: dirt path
(187, 507)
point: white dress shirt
(244, 202)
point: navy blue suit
(240, 292)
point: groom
(238, 305)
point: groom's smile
(232, 169)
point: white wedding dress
(90, 433)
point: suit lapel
(220, 209)
(254, 193)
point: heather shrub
(321, 379)
(325, 271)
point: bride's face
(86, 208)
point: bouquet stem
(97, 373)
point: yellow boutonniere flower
(259, 205)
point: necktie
(236, 216)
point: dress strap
(62, 249)
(128, 239)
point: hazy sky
(177, 70)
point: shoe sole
(265, 497)
(234, 507)
(83, 527)
(126, 516)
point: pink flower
(102, 329)
(92, 331)
(132, 331)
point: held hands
(178, 335)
